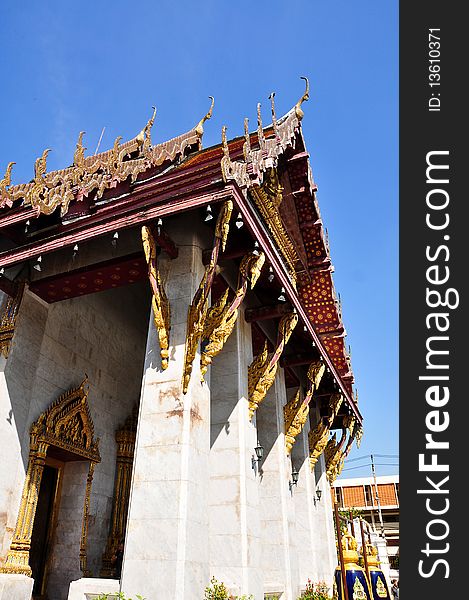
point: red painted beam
(264, 313)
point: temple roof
(136, 181)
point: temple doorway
(44, 525)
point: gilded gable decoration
(262, 370)
(159, 301)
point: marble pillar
(304, 498)
(166, 552)
(234, 494)
(279, 558)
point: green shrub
(218, 591)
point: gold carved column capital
(296, 411)
(319, 435)
(222, 316)
(262, 370)
(198, 309)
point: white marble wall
(279, 551)
(53, 346)
(234, 494)
(305, 508)
(167, 544)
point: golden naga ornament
(318, 437)
(159, 301)
(95, 174)
(333, 455)
(66, 424)
(262, 370)
(353, 426)
(221, 318)
(296, 411)
(198, 309)
(295, 415)
(5, 196)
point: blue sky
(71, 66)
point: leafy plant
(218, 591)
(315, 591)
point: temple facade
(173, 374)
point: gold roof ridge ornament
(298, 110)
(199, 128)
(96, 173)
(262, 370)
(274, 116)
(5, 197)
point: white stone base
(15, 587)
(88, 588)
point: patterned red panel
(88, 280)
(318, 299)
(315, 247)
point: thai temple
(176, 396)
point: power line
(369, 465)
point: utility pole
(377, 496)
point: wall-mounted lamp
(318, 494)
(259, 450)
(294, 481)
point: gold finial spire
(200, 126)
(304, 97)
(79, 155)
(144, 137)
(247, 142)
(274, 116)
(5, 197)
(260, 129)
(5, 182)
(40, 166)
(224, 142)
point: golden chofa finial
(260, 128)
(247, 141)
(5, 182)
(79, 154)
(224, 142)
(144, 137)
(40, 166)
(5, 197)
(274, 116)
(298, 110)
(200, 126)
